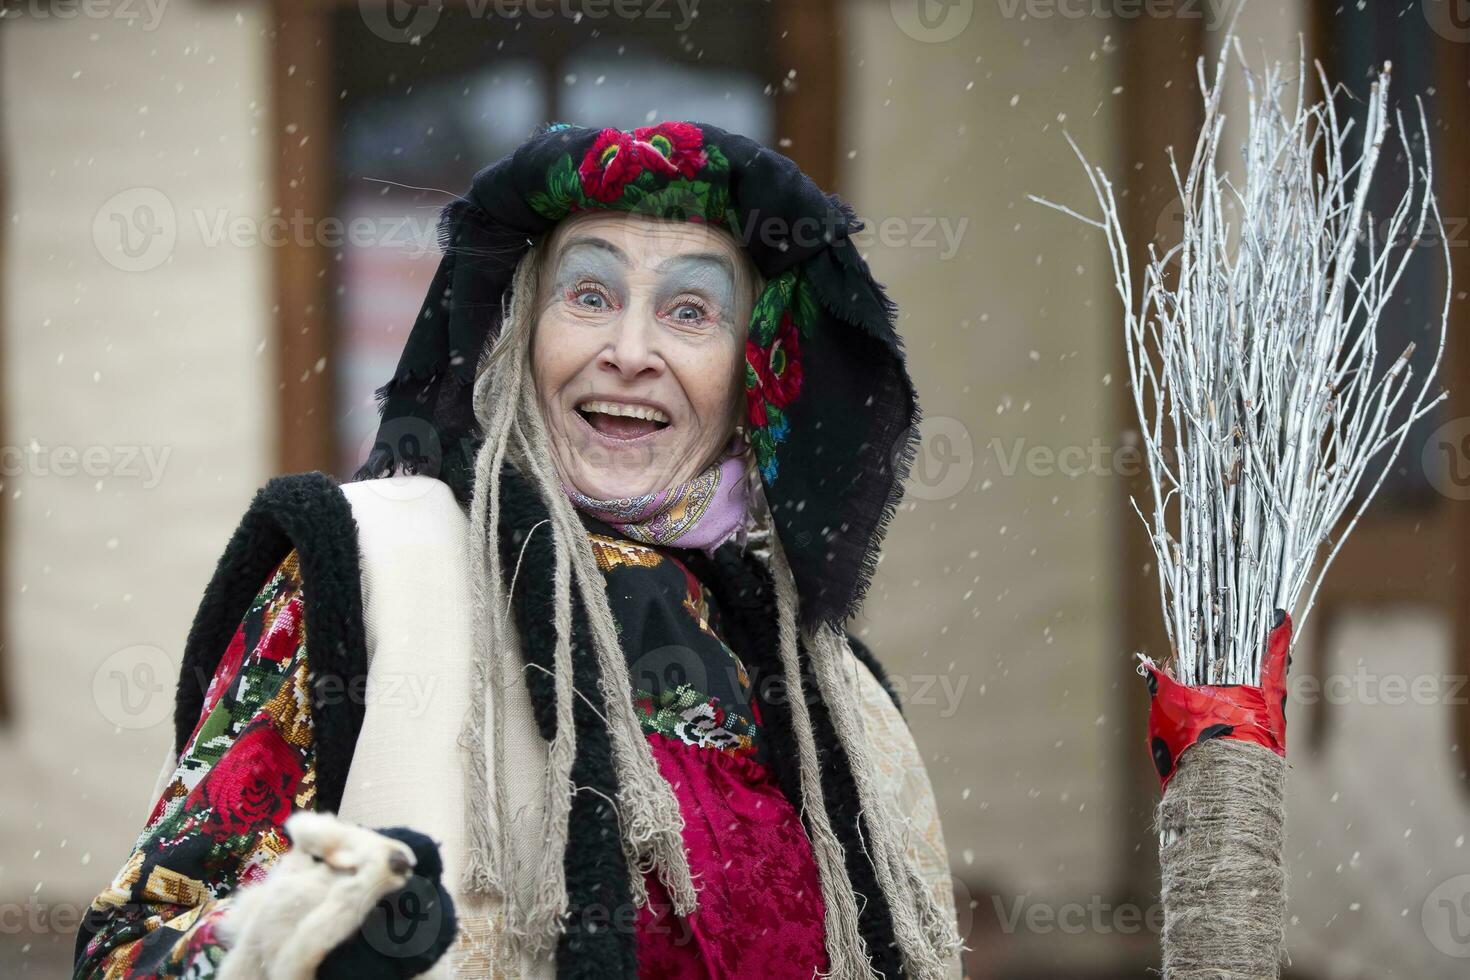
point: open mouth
(622, 420)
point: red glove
(1180, 716)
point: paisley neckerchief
(702, 513)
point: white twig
(1265, 407)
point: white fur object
(409, 768)
(314, 897)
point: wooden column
(5, 435)
(1161, 108)
(807, 111)
(1451, 133)
(302, 103)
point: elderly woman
(578, 622)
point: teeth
(623, 409)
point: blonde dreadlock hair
(649, 820)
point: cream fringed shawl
(408, 767)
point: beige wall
(996, 578)
(165, 366)
(1376, 819)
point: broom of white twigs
(1268, 416)
(1254, 360)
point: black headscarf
(831, 411)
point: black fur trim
(307, 512)
(600, 940)
(520, 511)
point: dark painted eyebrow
(601, 244)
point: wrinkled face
(638, 350)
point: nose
(631, 348)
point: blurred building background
(218, 222)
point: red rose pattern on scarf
(248, 764)
(773, 365)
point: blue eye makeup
(591, 274)
(696, 288)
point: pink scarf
(703, 513)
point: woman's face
(637, 351)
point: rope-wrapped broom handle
(1220, 752)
